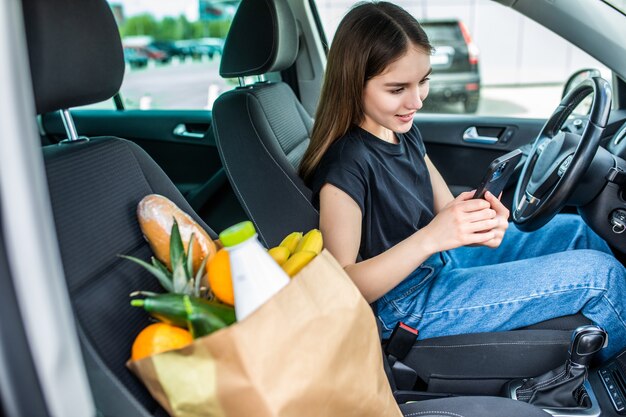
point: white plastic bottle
(256, 276)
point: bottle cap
(237, 233)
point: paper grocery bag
(311, 350)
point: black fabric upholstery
(561, 323)
(454, 363)
(471, 407)
(58, 33)
(95, 187)
(254, 45)
(262, 132)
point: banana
(280, 254)
(312, 242)
(291, 241)
(297, 261)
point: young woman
(438, 263)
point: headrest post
(70, 128)
(242, 81)
(260, 78)
(68, 122)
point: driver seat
(262, 132)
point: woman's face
(391, 99)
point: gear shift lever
(586, 341)
(563, 386)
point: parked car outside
(135, 58)
(209, 47)
(455, 76)
(152, 53)
(171, 49)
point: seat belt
(398, 347)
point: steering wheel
(558, 160)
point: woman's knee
(604, 267)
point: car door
(463, 146)
(172, 55)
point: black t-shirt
(389, 182)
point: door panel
(462, 163)
(180, 141)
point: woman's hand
(466, 221)
(502, 215)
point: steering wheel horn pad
(551, 164)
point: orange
(220, 279)
(157, 338)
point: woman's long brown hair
(369, 38)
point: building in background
(211, 10)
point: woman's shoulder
(346, 154)
(349, 145)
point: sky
(160, 8)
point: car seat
(95, 184)
(262, 131)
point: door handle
(181, 131)
(471, 136)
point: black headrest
(256, 44)
(75, 52)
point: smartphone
(498, 174)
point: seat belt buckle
(401, 340)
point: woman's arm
(463, 221)
(441, 192)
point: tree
(211, 29)
(168, 30)
(172, 29)
(143, 24)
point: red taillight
(471, 47)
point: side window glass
(172, 51)
(488, 60)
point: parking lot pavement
(195, 85)
(178, 85)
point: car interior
(95, 178)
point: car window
(172, 51)
(488, 59)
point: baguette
(156, 216)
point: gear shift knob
(586, 341)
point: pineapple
(180, 280)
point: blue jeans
(561, 269)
